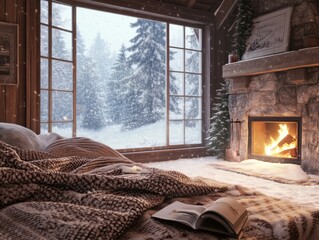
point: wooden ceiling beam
(153, 7)
(223, 11)
(190, 3)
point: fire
(284, 145)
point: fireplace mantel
(307, 57)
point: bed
(76, 188)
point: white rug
(279, 172)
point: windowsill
(166, 154)
(307, 57)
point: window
(126, 81)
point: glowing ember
(284, 145)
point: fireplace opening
(275, 139)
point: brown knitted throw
(46, 196)
(52, 195)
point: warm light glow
(284, 145)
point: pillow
(47, 138)
(19, 136)
(83, 147)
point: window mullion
(184, 86)
(74, 68)
(50, 66)
(167, 84)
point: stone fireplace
(275, 138)
(287, 92)
(278, 89)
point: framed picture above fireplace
(270, 34)
(275, 139)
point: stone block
(287, 95)
(313, 107)
(239, 84)
(261, 99)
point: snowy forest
(120, 93)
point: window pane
(62, 103)
(44, 106)
(62, 75)
(193, 62)
(44, 12)
(193, 132)
(176, 34)
(44, 128)
(61, 44)
(121, 78)
(176, 62)
(64, 129)
(193, 85)
(192, 108)
(44, 73)
(179, 102)
(124, 94)
(61, 16)
(176, 84)
(193, 38)
(114, 136)
(44, 41)
(176, 132)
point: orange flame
(277, 148)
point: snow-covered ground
(303, 194)
(151, 135)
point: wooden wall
(13, 97)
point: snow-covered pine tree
(103, 61)
(118, 86)
(89, 104)
(244, 24)
(148, 60)
(219, 129)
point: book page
(215, 223)
(227, 207)
(181, 212)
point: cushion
(83, 147)
(47, 138)
(19, 136)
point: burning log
(286, 140)
(288, 152)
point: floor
(300, 194)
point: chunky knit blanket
(46, 196)
(80, 189)
(268, 219)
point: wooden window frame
(148, 10)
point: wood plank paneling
(12, 97)
(21, 100)
(2, 87)
(33, 65)
(11, 90)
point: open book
(225, 216)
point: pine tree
(118, 85)
(244, 24)
(148, 60)
(89, 103)
(103, 61)
(100, 52)
(219, 128)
